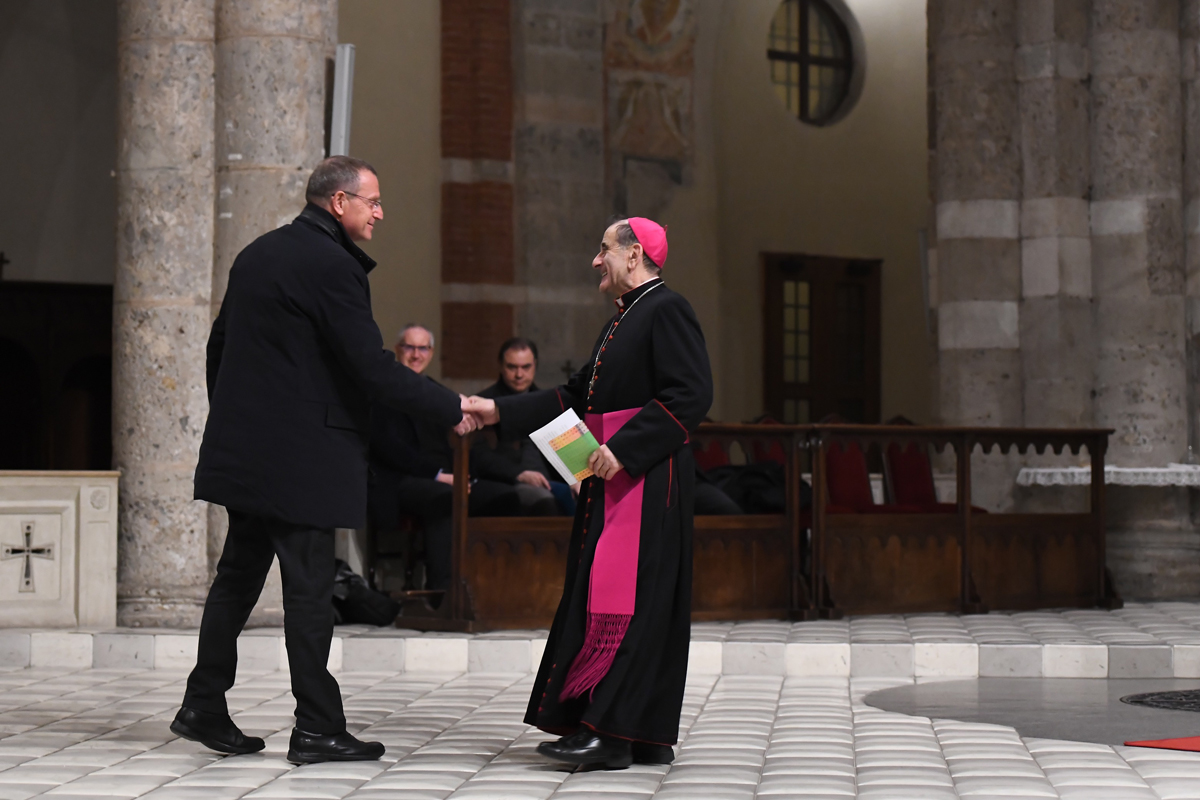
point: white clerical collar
(620, 301)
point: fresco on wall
(649, 55)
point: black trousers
(430, 500)
(306, 563)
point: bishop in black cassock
(612, 684)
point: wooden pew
(508, 572)
(965, 561)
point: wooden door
(821, 338)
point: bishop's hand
(604, 464)
(482, 409)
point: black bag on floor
(356, 603)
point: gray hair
(409, 327)
(335, 174)
(627, 238)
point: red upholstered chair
(849, 483)
(765, 452)
(710, 455)
(908, 476)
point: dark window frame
(805, 60)
(829, 389)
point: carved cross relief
(28, 552)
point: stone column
(270, 111)
(270, 133)
(559, 195)
(1190, 65)
(1139, 284)
(161, 304)
(978, 192)
(1057, 353)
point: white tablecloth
(1170, 475)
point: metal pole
(343, 93)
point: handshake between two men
(479, 412)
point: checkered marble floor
(103, 733)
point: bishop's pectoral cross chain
(28, 552)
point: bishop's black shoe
(214, 731)
(587, 747)
(313, 748)
(650, 753)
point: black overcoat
(654, 359)
(294, 361)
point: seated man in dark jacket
(517, 461)
(412, 470)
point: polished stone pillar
(270, 116)
(558, 165)
(1057, 353)
(977, 187)
(1137, 237)
(1189, 47)
(161, 313)
(271, 61)
(1139, 285)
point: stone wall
(1062, 276)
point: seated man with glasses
(412, 470)
(515, 460)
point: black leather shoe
(588, 747)
(214, 731)
(313, 748)
(648, 753)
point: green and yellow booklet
(567, 444)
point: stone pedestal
(58, 549)
(161, 311)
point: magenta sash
(612, 588)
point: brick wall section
(477, 79)
(471, 335)
(477, 217)
(477, 232)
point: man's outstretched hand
(482, 409)
(469, 422)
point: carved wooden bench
(508, 572)
(807, 563)
(963, 561)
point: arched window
(812, 59)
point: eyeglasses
(423, 349)
(376, 205)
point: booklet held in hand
(567, 444)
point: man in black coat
(412, 470)
(294, 361)
(516, 460)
